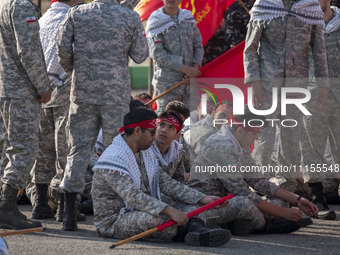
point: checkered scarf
(119, 157)
(170, 156)
(334, 24)
(307, 11)
(159, 21)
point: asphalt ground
(323, 237)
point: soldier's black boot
(70, 215)
(41, 209)
(318, 199)
(60, 211)
(239, 227)
(10, 217)
(281, 226)
(199, 235)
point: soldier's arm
(251, 57)
(161, 57)
(177, 190)
(198, 48)
(130, 4)
(139, 50)
(26, 31)
(64, 41)
(127, 190)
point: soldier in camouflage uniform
(23, 85)
(276, 55)
(100, 89)
(322, 125)
(51, 159)
(176, 48)
(127, 184)
(230, 147)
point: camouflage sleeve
(29, 46)
(139, 50)
(130, 4)
(251, 58)
(64, 41)
(179, 172)
(128, 191)
(320, 57)
(198, 48)
(177, 190)
(159, 55)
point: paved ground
(321, 238)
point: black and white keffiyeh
(334, 24)
(170, 156)
(307, 11)
(159, 21)
(119, 157)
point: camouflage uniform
(53, 150)
(321, 125)
(275, 50)
(223, 149)
(180, 44)
(23, 78)
(100, 90)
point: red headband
(144, 101)
(173, 120)
(246, 127)
(53, 1)
(210, 106)
(224, 108)
(142, 124)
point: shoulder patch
(31, 18)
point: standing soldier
(23, 85)
(94, 43)
(51, 159)
(276, 55)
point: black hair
(137, 115)
(172, 113)
(142, 96)
(179, 107)
(135, 104)
(256, 120)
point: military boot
(70, 214)
(199, 235)
(41, 209)
(239, 227)
(10, 216)
(60, 211)
(318, 199)
(280, 226)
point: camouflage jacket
(180, 44)
(223, 149)
(278, 48)
(111, 191)
(102, 35)
(22, 65)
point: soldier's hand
(259, 95)
(179, 217)
(307, 207)
(190, 71)
(322, 98)
(208, 199)
(292, 214)
(44, 98)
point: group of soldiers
(64, 77)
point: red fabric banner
(207, 13)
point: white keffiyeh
(159, 21)
(334, 24)
(170, 156)
(119, 157)
(307, 11)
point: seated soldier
(229, 147)
(126, 197)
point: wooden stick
(22, 231)
(164, 93)
(244, 6)
(130, 239)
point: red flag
(228, 65)
(208, 14)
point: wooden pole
(130, 239)
(164, 93)
(244, 6)
(22, 231)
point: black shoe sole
(329, 216)
(213, 238)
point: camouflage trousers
(53, 150)
(85, 121)
(21, 121)
(3, 146)
(135, 222)
(317, 128)
(288, 144)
